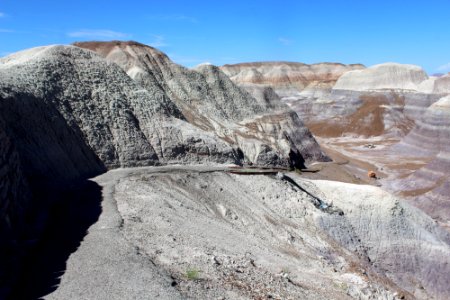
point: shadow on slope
(67, 225)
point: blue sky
(220, 32)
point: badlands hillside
(391, 118)
(121, 178)
(287, 78)
(208, 99)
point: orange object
(372, 174)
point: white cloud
(2, 15)
(173, 17)
(444, 68)
(98, 33)
(285, 41)
(159, 41)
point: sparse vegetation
(341, 285)
(285, 271)
(193, 274)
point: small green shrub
(192, 274)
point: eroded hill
(68, 114)
(390, 118)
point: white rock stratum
(391, 76)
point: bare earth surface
(199, 232)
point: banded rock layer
(429, 186)
(84, 113)
(208, 99)
(287, 78)
(335, 100)
(390, 76)
(383, 105)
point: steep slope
(14, 202)
(208, 99)
(429, 186)
(213, 234)
(95, 106)
(413, 261)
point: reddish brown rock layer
(288, 74)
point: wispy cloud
(444, 68)
(158, 42)
(2, 15)
(173, 17)
(98, 33)
(284, 41)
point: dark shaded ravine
(68, 223)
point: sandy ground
(357, 156)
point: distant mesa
(288, 75)
(391, 76)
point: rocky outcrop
(435, 85)
(207, 98)
(390, 76)
(104, 118)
